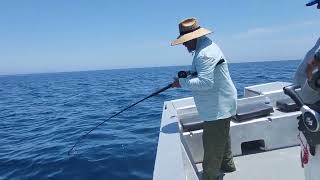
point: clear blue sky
(72, 35)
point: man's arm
(316, 46)
(205, 80)
(309, 58)
(311, 65)
(312, 51)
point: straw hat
(189, 29)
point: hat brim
(189, 36)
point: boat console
(309, 125)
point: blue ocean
(42, 116)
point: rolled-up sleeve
(205, 80)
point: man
(214, 94)
(310, 97)
(310, 63)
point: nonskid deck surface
(282, 164)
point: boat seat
(247, 112)
(244, 113)
(287, 105)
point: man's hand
(176, 83)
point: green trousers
(217, 149)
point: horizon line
(122, 68)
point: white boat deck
(179, 153)
(282, 164)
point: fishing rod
(153, 94)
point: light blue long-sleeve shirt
(213, 91)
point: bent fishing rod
(151, 95)
(181, 74)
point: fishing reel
(309, 117)
(182, 74)
(185, 74)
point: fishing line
(86, 134)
